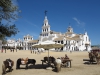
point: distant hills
(95, 46)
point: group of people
(4, 50)
(36, 51)
(11, 50)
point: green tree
(8, 13)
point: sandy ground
(78, 66)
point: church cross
(45, 12)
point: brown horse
(91, 56)
(8, 63)
(97, 55)
(26, 61)
(94, 56)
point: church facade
(71, 41)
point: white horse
(57, 64)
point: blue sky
(81, 14)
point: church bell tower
(45, 27)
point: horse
(49, 60)
(97, 55)
(26, 61)
(7, 64)
(92, 57)
(57, 64)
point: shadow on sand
(7, 72)
(88, 63)
(37, 66)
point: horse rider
(68, 63)
(66, 57)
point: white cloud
(76, 20)
(30, 23)
(79, 23)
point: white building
(28, 42)
(11, 43)
(71, 41)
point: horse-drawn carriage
(57, 63)
(94, 56)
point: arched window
(76, 48)
(58, 41)
(86, 38)
(66, 42)
(72, 48)
(69, 42)
(68, 30)
(69, 47)
(47, 29)
(62, 42)
(82, 42)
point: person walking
(13, 49)
(2, 50)
(5, 50)
(31, 51)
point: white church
(71, 41)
